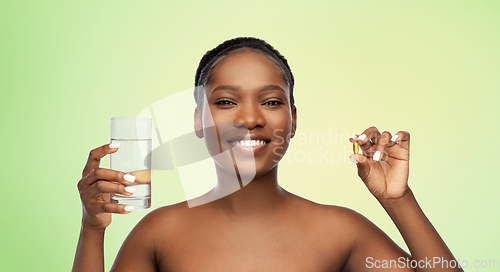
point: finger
(383, 141)
(353, 138)
(367, 139)
(102, 186)
(105, 207)
(372, 134)
(96, 155)
(107, 174)
(367, 146)
(363, 163)
(401, 139)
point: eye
(224, 102)
(273, 103)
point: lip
(249, 149)
(249, 137)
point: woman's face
(248, 103)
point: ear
(294, 121)
(198, 125)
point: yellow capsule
(355, 147)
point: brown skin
(260, 227)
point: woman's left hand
(384, 164)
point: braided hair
(212, 57)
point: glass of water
(134, 134)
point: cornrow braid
(210, 60)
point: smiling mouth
(249, 143)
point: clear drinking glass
(134, 134)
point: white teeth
(249, 142)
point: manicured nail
(130, 189)
(114, 145)
(394, 138)
(354, 161)
(362, 137)
(353, 137)
(129, 178)
(128, 208)
(376, 156)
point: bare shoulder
(356, 237)
(139, 251)
(333, 217)
(338, 230)
(162, 213)
(324, 209)
(163, 219)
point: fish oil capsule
(355, 148)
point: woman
(246, 93)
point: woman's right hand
(95, 188)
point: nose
(249, 115)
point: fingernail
(353, 160)
(376, 156)
(353, 136)
(394, 138)
(130, 189)
(128, 208)
(114, 145)
(362, 137)
(129, 178)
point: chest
(250, 248)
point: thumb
(363, 163)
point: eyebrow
(235, 88)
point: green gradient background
(428, 67)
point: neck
(262, 194)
